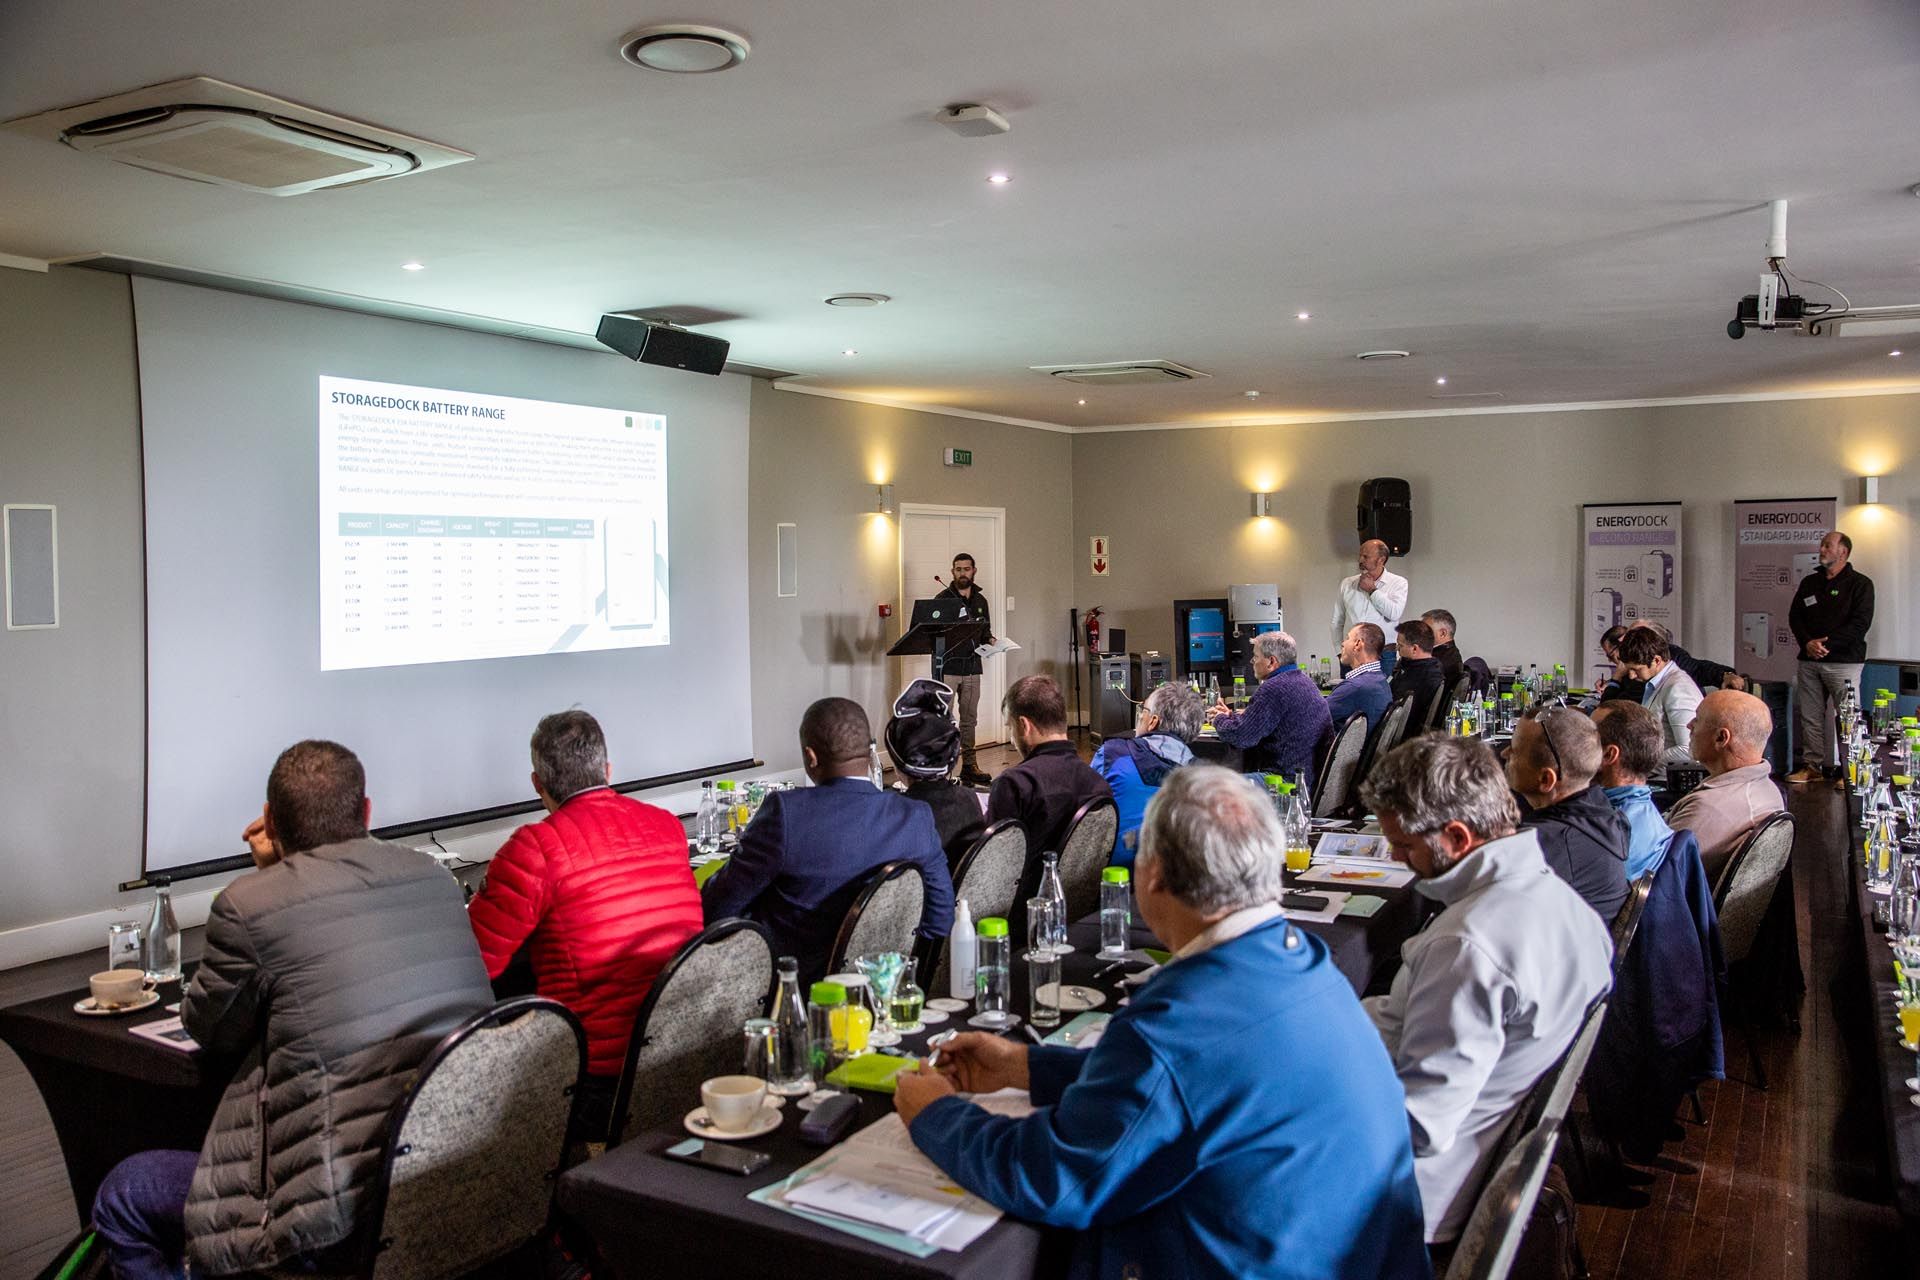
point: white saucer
(87, 1007)
(934, 1017)
(1074, 998)
(945, 1004)
(763, 1124)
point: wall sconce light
(883, 499)
(1869, 490)
(1262, 504)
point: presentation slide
(456, 526)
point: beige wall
(813, 463)
(1496, 512)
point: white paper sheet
(1357, 876)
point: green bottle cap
(725, 784)
(825, 993)
(991, 927)
(1116, 875)
(1506, 697)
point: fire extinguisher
(1093, 629)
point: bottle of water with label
(1116, 910)
(706, 823)
(792, 1066)
(1239, 692)
(163, 938)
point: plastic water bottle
(826, 1034)
(1313, 669)
(874, 774)
(1239, 692)
(793, 1059)
(1116, 910)
(1213, 690)
(1053, 890)
(993, 976)
(706, 824)
(163, 938)
(962, 953)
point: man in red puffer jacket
(601, 895)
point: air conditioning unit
(209, 131)
(1122, 373)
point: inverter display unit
(1111, 706)
(1150, 671)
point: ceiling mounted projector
(651, 342)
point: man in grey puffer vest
(332, 971)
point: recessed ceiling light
(1081, 402)
(1304, 315)
(1383, 355)
(684, 48)
(1251, 395)
(1893, 353)
(1439, 382)
(857, 299)
(999, 179)
(849, 352)
(413, 266)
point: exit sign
(959, 457)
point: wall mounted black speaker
(651, 343)
(1386, 513)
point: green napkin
(1157, 955)
(704, 872)
(873, 1072)
(1363, 905)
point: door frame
(996, 600)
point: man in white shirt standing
(1371, 595)
(1494, 990)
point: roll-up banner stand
(1631, 572)
(1776, 542)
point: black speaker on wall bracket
(1386, 513)
(650, 342)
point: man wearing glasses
(1555, 754)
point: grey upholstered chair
(1741, 900)
(883, 917)
(1341, 769)
(988, 877)
(1491, 1239)
(688, 1027)
(1084, 854)
(1387, 734)
(475, 1145)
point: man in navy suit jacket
(806, 854)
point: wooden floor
(1782, 1184)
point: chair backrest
(1487, 1246)
(475, 1145)
(688, 1027)
(1340, 769)
(1386, 734)
(883, 917)
(988, 877)
(1084, 854)
(1551, 1096)
(1626, 921)
(1746, 884)
(1437, 709)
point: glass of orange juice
(1910, 1026)
(1299, 856)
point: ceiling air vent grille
(208, 131)
(1123, 373)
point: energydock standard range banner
(1630, 571)
(1776, 542)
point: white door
(929, 539)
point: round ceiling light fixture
(1383, 355)
(684, 48)
(857, 300)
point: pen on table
(1032, 1034)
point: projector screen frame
(446, 822)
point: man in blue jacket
(1238, 1118)
(1135, 764)
(1363, 691)
(806, 854)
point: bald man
(1729, 736)
(1371, 595)
(1832, 609)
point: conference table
(641, 1207)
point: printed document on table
(1357, 876)
(879, 1178)
(1335, 902)
(1336, 846)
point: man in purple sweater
(1286, 724)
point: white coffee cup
(113, 988)
(733, 1102)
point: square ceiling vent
(209, 131)
(1122, 373)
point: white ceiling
(1558, 202)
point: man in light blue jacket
(1238, 1118)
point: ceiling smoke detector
(857, 300)
(685, 49)
(209, 131)
(1122, 373)
(1383, 355)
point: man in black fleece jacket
(1551, 765)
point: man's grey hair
(1658, 628)
(1436, 779)
(1215, 840)
(569, 754)
(1179, 710)
(1277, 647)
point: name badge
(1811, 601)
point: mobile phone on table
(717, 1155)
(1303, 901)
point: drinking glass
(124, 946)
(761, 1041)
(1043, 987)
(882, 969)
(908, 1000)
(1040, 923)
